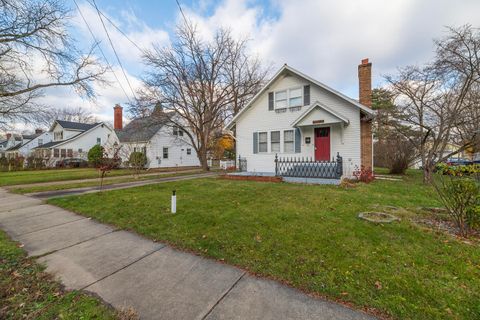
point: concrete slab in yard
(168, 284)
(254, 298)
(27, 212)
(17, 227)
(90, 261)
(59, 237)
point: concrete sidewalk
(158, 281)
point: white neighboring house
(74, 140)
(164, 145)
(296, 116)
(29, 142)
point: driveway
(158, 281)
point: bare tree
(36, 53)
(202, 82)
(77, 114)
(437, 105)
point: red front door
(322, 144)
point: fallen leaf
(378, 285)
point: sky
(325, 39)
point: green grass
(34, 176)
(65, 186)
(310, 237)
(27, 292)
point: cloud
(134, 28)
(327, 39)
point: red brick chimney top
(118, 117)
(365, 82)
(9, 135)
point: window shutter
(306, 95)
(255, 142)
(270, 101)
(298, 140)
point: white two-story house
(298, 126)
(74, 140)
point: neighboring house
(29, 142)
(3, 146)
(74, 140)
(16, 142)
(295, 116)
(164, 145)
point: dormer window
(58, 135)
(281, 99)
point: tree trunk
(427, 173)
(203, 160)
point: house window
(58, 135)
(295, 97)
(40, 142)
(275, 141)
(189, 151)
(69, 153)
(177, 131)
(99, 141)
(63, 153)
(281, 99)
(262, 142)
(165, 153)
(56, 153)
(288, 141)
(144, 150)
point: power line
(116, 27)
(101, 51)
(113, 47)
(181, 11)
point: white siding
(27, 148)
(88, 139)
(258, 118)
(177, 150)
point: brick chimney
(38, 131)
(118, 117)
(365, 83)
(9, 135)
(365, 98)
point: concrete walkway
(115, 186)
(158, 281)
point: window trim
(288, 98)
(164, 153)
(266, 142)
(289, 141)
(279, 141)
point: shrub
(394, 152)
(363, 174)
(137, 160)
(33, 162)
(461, 197)
(95, 155)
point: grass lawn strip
(27, 292)
(310, 237)
(65, 186)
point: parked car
(458, 162)
(71, 163)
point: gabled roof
(55, 143)
(15, 147)
(319, 105)
(287, 68)
(74, 125)
(142, 129)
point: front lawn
(34, 176)
(27, 292)
(310, 237)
